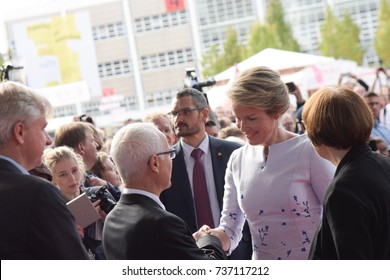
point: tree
(283, 32)
(214, 62)
(382, 38)
(328, 34)
(340, 38)
(232, 50)
(261, 37)
(274, 33)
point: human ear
(18, 132)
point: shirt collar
(204, 146)
(145, 193)
(17, 165)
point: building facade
(142, 48)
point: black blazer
(178, 198)
(36, 224)
(356, 218)
(139, 229)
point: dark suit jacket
(356, 218)
(178, 198)
(139, 229)
(35, 222)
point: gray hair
(261, 87)
(198, 97)
(132, 147)
(19, 103)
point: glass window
(117, 68)
(138, 25)
(156, 22)
(165, 20)
(180, 56)
(174, 18)
(101, 70)
(183, 17)
(171, 58)
(102, 32)
(111, 30)
(108, 67)
(153, 61)
(163, 60)
(144, 62)
(147, 23)
(120, 29)
(126, 66)
(189, 55)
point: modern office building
(131, 55)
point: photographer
(67, 169)
(293, 89)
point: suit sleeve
(176, 242)
(54, 233)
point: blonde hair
(52, 156)
(260, 87)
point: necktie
(201, 196)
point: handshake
(218, 232)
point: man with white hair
(139, 227)
(36, 224)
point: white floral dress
(281, 199)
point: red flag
(174, 5)
(108, 91)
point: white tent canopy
(274, 59)
(306, 70)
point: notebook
(83, 210)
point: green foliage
(212, 62)
(340, 38)
(274, 33)
(382, 38)
(233, 52)
(262, 36)
(280, 29)
(232, 49)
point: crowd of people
(263, 180)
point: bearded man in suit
(190, 112)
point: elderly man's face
(35, 140)
(166, 165)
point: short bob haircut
(338, 118)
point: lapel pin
(219, 154)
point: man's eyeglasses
(171, 153)
(183, 112)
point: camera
(291, 86)
(191, 80)
(106, 204)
